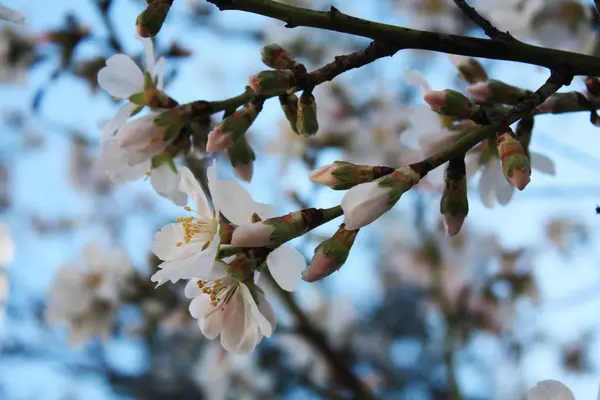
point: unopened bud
(342, 175)
(493, 91)
(151, 19)
(273, 232)
(562, 102)
(592, 83)
(269, 83)
(289, 105)
(366, 202)
(232, 128)
(469, 69)
(307, 123)
(241, 156)
(330, 255)
(451, 103)
(277, 57)
(515, 164)
(454, 205)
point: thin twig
(488, 28)
(316, 338)
(405, 38)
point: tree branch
(404, 38)
(482, 22)
(316, 338)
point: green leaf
(137, 98)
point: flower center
(197, 229)
(220, 291)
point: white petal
(190, 186)
(159, 71)
(192, 290)
(117, 121)
(10, 15)
(230, 198)
(503, 189)
(364, 203)
(198, 265)
(240, 333)
(114, 162)
(286, 265)
(166, 183)
(165, 242)
(212, 324)
(267, 311)
(486, 186)
(472, 164)
(550, 390)
(264, 211)
(121, 77)
(542, 163)
(200, 306)
(417, 79)
(148, 54)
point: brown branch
(404, 38)
(318, 340)
(482, 22)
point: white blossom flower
(225, 306)
(550, 390)
(189, 247)
(86, 294)
(10, 15)
(493, 185)
(7, 245)
(122, 77)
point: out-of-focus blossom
(86, 294)
(10, 15)
(17, 53)
(550, 390)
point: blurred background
(511, 300)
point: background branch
(482, 22)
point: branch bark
(404, 38)
(488, 28)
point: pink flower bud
(320, 267)
(252, 235)
(519, 178)
(218, 140)
(453, 223)
(549, 105)
(323, 175)
(436, 99)
(480, 91)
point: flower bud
(269, 83)
(307, 123)
(366, 202)
(276, 231)
(515, 164)
(151, 19)
(592, 84)
(289, 105)
(241, 156)
(561, 102)
(143, 135)
(342, 175)
(454, 205)
(277, 57)
(451, 103)
(469, 69)
(232, 128)
(330, 255)
(493, 91)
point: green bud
(454, 205)
(451, 103)
(330, 255)
(307, 123)
(151, 19)
(289, 105)
(469, 69)
(277, 57)
(494, 91)
(269, 83)
(342, 175)
(515, 163)
(241, 156)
